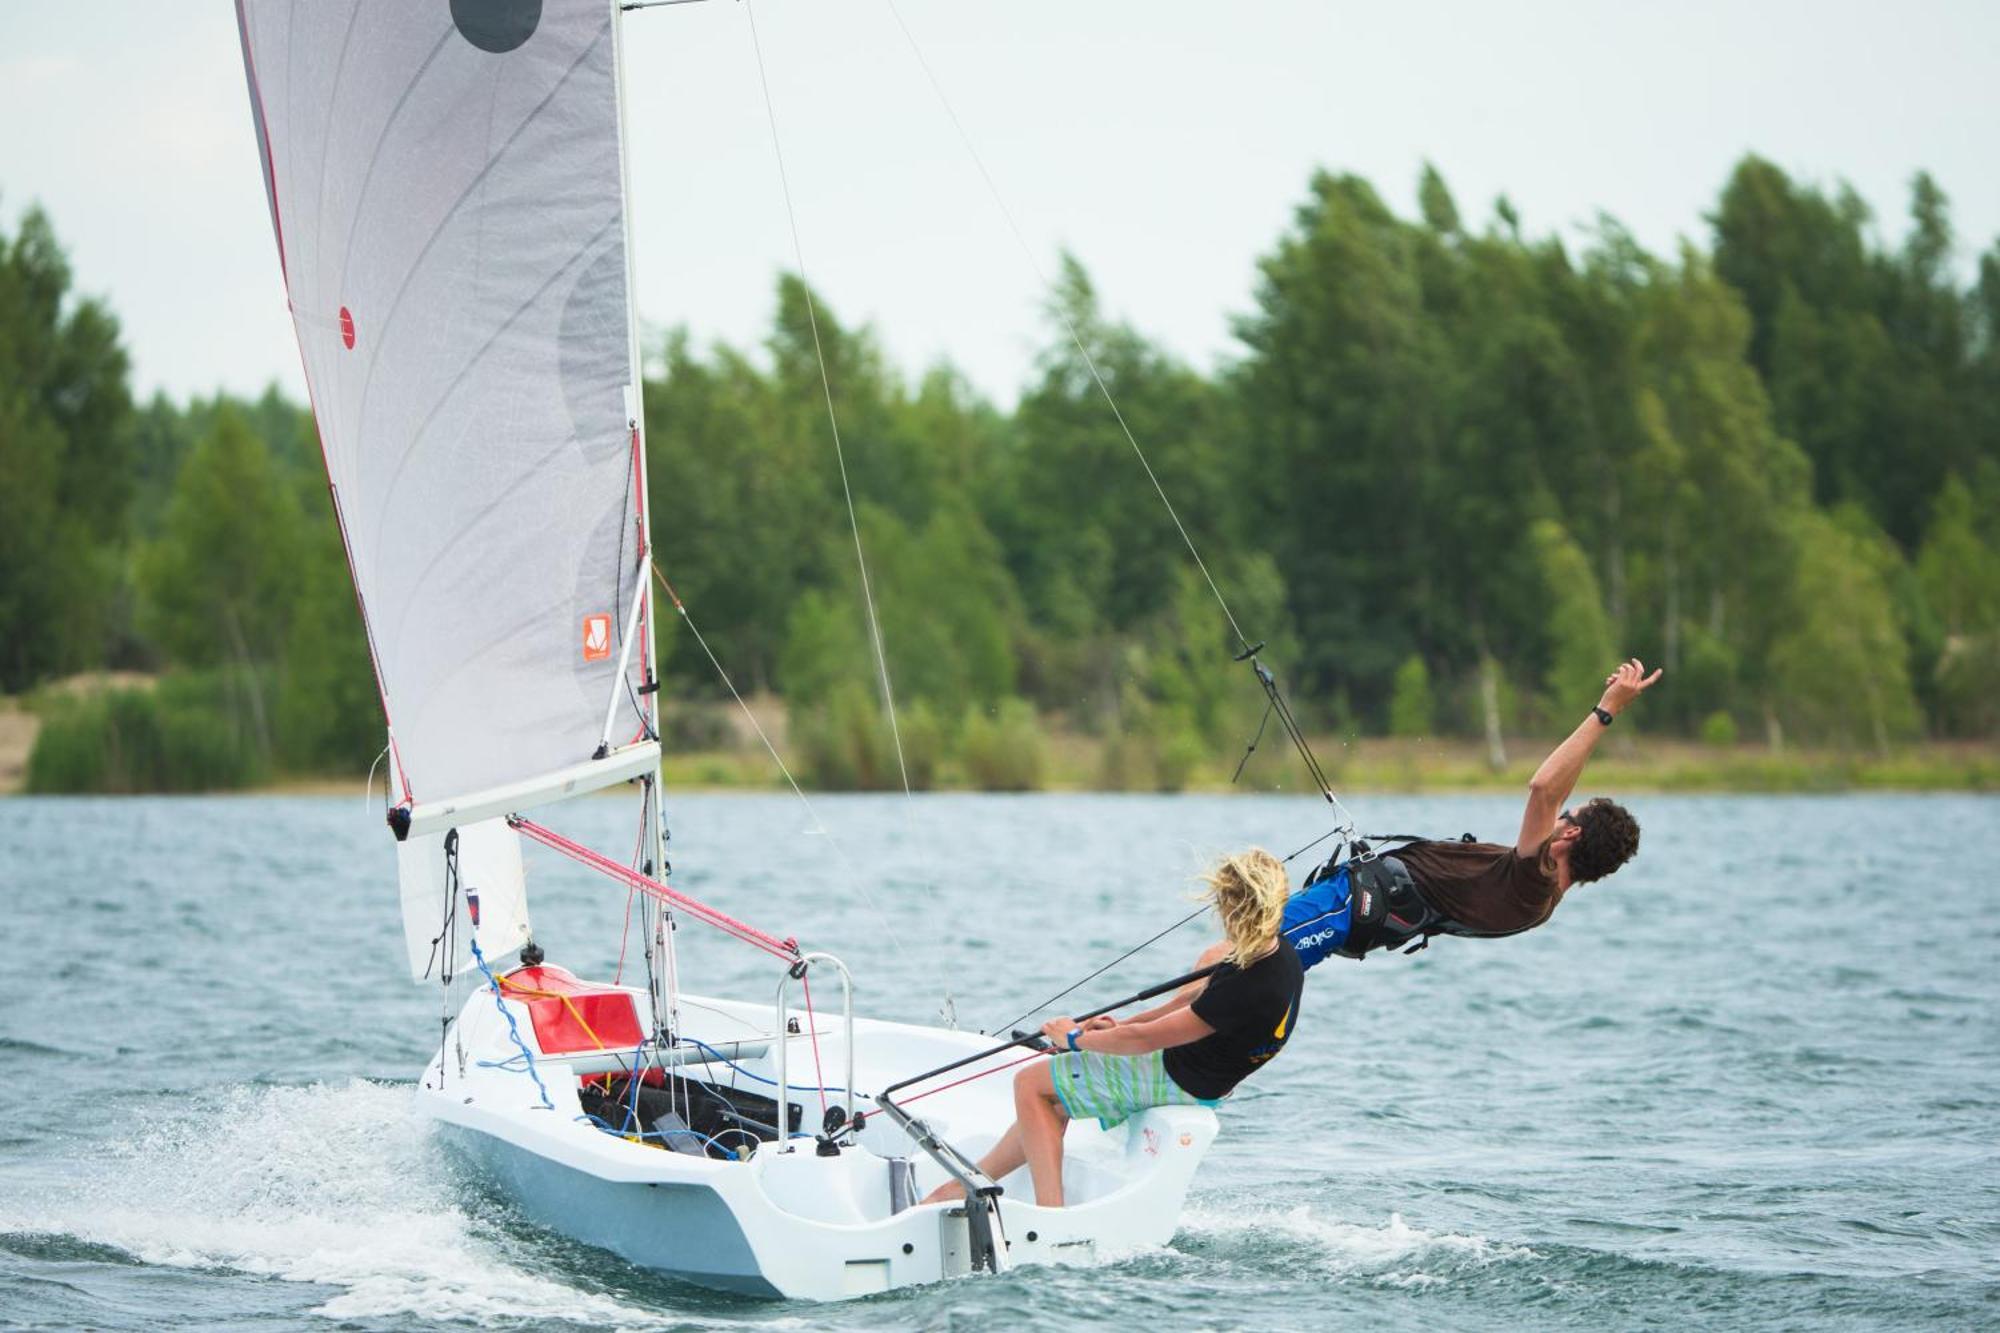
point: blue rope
(769, 1082)
(513, 1028)
(632, 1085)
(696, 1135)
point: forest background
(1453, 475)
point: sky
(1163, 142)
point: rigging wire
(819, 827)
(1069, 326)
(950, 1008)
(1249, 651)
(1276, 704)
(1036, 1009)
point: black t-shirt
(1252, 1010)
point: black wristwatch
(1604, 715)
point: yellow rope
(532, 993)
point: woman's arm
(1214, 953)
(1135, 1038)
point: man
(1478, 889)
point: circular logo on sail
(498, 26)
(347, 328)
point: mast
(656, 921)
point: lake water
(1752, 1080)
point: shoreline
(1371, 767)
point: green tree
(1581, 647)
(1865, 353)
(329, 714)
(1839, 672)
(217, 588)
(1340, 394)
(1083, 529)
(65, 453)
(1959, 570)
(1412, 711)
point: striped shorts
(1112, 1087)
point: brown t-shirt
(1484, 885)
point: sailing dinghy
(446, 181)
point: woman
(1192, 1050)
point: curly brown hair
(1610, 839)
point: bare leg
(1041, 1119)
(1036, 1137)
(1005, 1156)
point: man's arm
(1549, 790)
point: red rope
(812, 1025)
(970, 1077)
(787, 949)
(626, 938)
(632, 892)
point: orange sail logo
(596, 637)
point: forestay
(445, 184)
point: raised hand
(1627, 683)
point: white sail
(491, 902)
(445, 184)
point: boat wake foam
(1392, 1254)
(340, 1185)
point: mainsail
(445, 182)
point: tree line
(1452, 473)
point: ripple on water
(1600, 1124)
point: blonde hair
(1248, 892)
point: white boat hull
(794, 1223)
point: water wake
(337, 1185)
(1392, 1254)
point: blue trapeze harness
(1355, 905)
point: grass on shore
(1077, 763)
(1628, 761)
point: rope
(787, 949)
(716, 1055)
(1032, 1055)
(697, 1136)
(1346, 828)
(950, 1009)
(819, 827)
(1008, 1026)
(368, 790)
(826, 386)
(513, 1028)
(1090, 362)
(625, 937)
(1041, 276)
(631, 895)
(812, 1026)
(531, 993)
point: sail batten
(445, 186)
